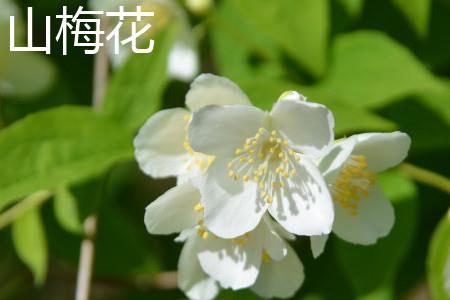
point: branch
(426, 177)
(23, 206)
(90, 224)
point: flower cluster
(250, 180)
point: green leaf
(383, 259)
(300, 27)
(66, 210)
(135, 91)
(123, 246)
(438, 261)
(240, 49)
(263, 93)
(30, 243)
(429, 136)
(57, 147)
(417, 12)
(353, 7)
(438, 102)
(370, 69)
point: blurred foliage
(439, 260)
(380, 65)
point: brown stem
(90, 224)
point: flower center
(353, 183)
(197, 160)
(266, 159)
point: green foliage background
(380, 65)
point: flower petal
(304, 206)
(331, 164)
(272, 242)
(318, 243)
(231, 207)
(309, 126)
(183, 61)
(192, 280)
(233, 265)
(173, 211)
(292, 95)
(374, 219)
(280, 279)
(209, 89)
(159, 147)
(382, 150)
(219, 130)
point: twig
(90, 224)
(427, 177)
(20, 208)
(86, 259)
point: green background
(380, 65)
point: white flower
(362, 212)
(264, 161)
(259, 259)
(161, 146)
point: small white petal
(220, 130)
(231, 207)
(159, 147)
(374, 219)
(330, 165)
(283, 232)
(382, 150)
(183, 63)
(292, 95)
(185, 234)
(233, 265)
(309, 126)
(305, 207)
(191, 278)
(273, 243)
(173, 211)
(209, 89)
(280, 279)
(318, 243)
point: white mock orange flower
(264, 161)
(260, 259)
(161, 146)
(362, 212)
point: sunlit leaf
(135, 91)
(438, 261)
(57, 147)
(369, 69)
(417, 12)
(30, 242)
(383, 259)
(300, 27)
(438, 102)
(66, 210)
(240, 49)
